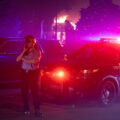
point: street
(11, 109)
(69, 50)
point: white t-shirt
(31, 55)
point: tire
(108, 93)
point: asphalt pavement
(55, 109)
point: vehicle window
(99, 53)
(105, 54)
(11, 46)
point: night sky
(22, 15)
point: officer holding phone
(30, 58)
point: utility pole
(42, 32)
(56, 21)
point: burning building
(64, 26)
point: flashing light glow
(112, 40)
(118, 40)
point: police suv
(92, 70)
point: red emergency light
(112, 40)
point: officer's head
(30, 41)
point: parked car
(10, 48)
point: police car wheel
(108, 93)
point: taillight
(59, 74)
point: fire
(74, 25)
(61, 19)
(64, 20)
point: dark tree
(9, 21)
(101, 18)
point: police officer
(30, 58)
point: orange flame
(74, 25)
(62, 20)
